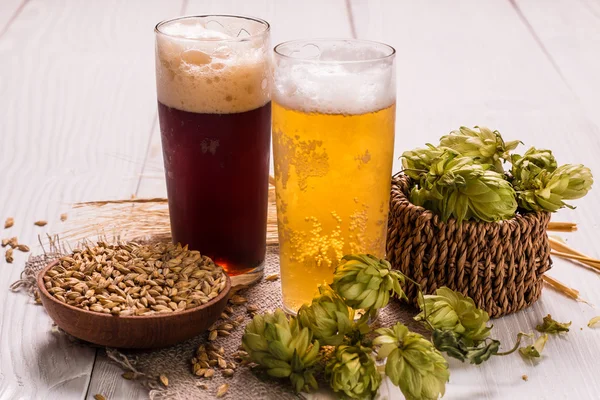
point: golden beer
(333, 174)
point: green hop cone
(365, 281)
(456, 187)
(548, 191)
(527, 167)
(352, 371)
(571, 181)
(284, 349)
(481, 144)
(416, 163)
(412, 364)
(328, 317)
(449, 310)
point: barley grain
(9, 222)
(132, 279)
(164, 380)
(222, 391)
(8, 256)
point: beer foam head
(204, 65)
(335, 77)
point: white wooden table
(78, 122)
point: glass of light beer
(213, 76)
(334, 106)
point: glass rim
(265, 31)
(278, 53)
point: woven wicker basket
(498, 264)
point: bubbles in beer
(195, 57)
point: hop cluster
(328, 317)
(463, 178)
(417, 162)
(450, 310)
(290, 348)
(529, 165)
(352, 371)
(458, 188)
(366, 282)
(413, 363)
(283, 348)
(542, 186)
(459, 327)
(481, 144)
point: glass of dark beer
(213, 78)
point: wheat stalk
(562, 226)
(136, 219)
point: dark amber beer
(213, 86)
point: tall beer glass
(213, 80)
(333, 142)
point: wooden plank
(569, 31)
(9, 10)
(78, 107)
(469, 63)
(34, 362)
(107, 381)
(449, 75)
(289, 19)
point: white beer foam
(329, 88)
(213, 75)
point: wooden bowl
(158, 330)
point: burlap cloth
(174, 362)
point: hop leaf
(328, 317)
(454, 345)
(456, 187)
(481, 144)
(548, 190)
(284, 349)
(477, 355)
(449, 342)
(365, 282)
(551, 326)
(412, 364)
(535, 350)
(452, 311)
(352, 370)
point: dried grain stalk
(135, 219)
